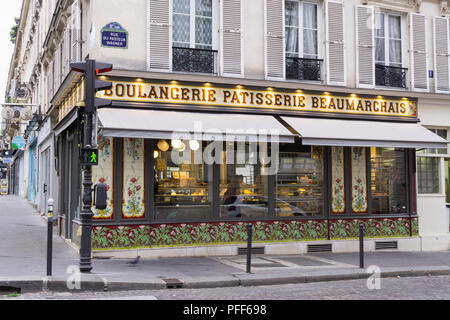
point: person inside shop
(233, 189)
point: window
(243, 184)
(428, 174)
(302, 39)
(193, 24)
(388, 39)
(181, 189)
(193, 36)
(388, 180)
(388, 51)
(441, 133)
(301, 27)
(299, 188)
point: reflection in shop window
(428, 174)
(243, 184)
(181, 190)
(388, 180)
(299, 190)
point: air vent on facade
(255, 250)
(319, 247)
(379, 245)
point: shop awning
(333, 132)
(161, 124)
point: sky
(9, 10)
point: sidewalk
(23, 235)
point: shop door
(73, 183)
(45, 183)
(70, 209)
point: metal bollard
(49, 236)
(249, 247)
(361, 246)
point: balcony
(194, 60)
(390, 76)
(303, 69)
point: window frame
(192, 15)
(300, 29)
(441, 163)
(387, 38)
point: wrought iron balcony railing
(390, 76)
(303, 68)
(194, 60)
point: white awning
(333, 132)
(162, 124)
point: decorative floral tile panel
(359, 180)
(131, 236)
(133, 205)
(103, 173)
(337, 178)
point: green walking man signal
(89, 157)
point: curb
(244, 280)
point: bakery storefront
(190, 164)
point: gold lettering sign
(292, 101)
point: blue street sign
(18, 142)
(114, 36)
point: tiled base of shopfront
(224, 238)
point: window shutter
(365, 20)
(335, 49)
(57, 69)
(419, 67)
(231, 38)
(441, 54)
(159, 39)
(76, 32)
(50, 82)
(274, 39)
(65, 55)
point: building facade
(305, 118)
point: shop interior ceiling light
(163, 145)
(155, 154)
(182, 147)
(177, 144)
(194, 145)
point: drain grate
(254, 250)
(173, 283)
(319, 247)
(380, 245)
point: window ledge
(431, 195)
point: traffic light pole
(86, 212)
(90, 68)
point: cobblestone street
(417, 288)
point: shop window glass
(299, 189)
(428, 174)
(181, 186)
(243, 184)
(388, 180)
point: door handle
(45, 188)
